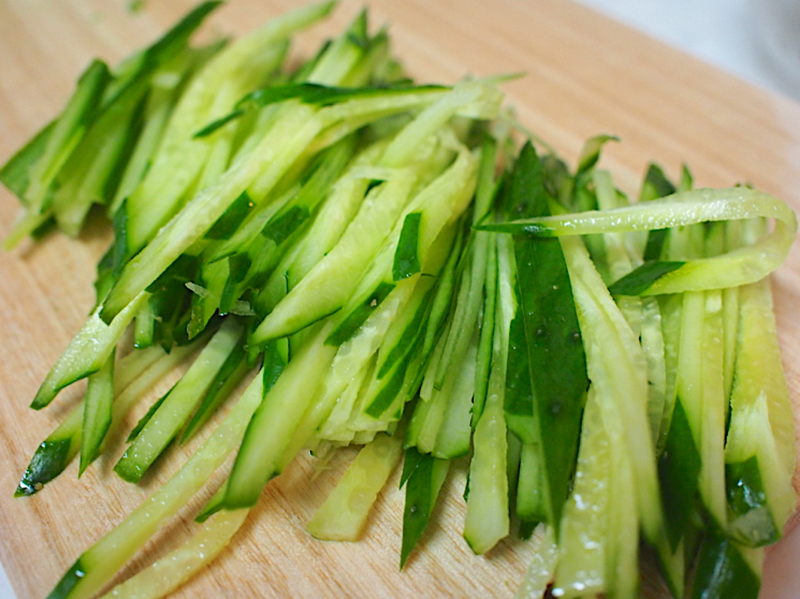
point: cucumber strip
(350, 255)
(618, 370)
(540, 571)
(483, 364)
(144, 329)
(230, 374)
(730, 310)
(725, 569)
(584, 538)
(292, 134)
(455, 431)
(132, 375)
(423, 484)
(487, 519)
(736, 267)
(171, 571)
(470, 295)
(406, 328)
(406, 256)
(531, 506)
(552, 339)
(271, 428)
(98, 564)
(712, 470)
(96, 412)
(91, 173)
(229, 75)
(760, 446)
(14, 173)
(442, 202)
(87, 352)
(53, 454)
(344, 513)
(69, 128)
(653, 345)
(175, 410)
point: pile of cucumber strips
(385, 264)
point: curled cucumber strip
(737, 267)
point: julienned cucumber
(377, 265)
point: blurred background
(757, 40)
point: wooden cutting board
(584, 75)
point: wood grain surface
(584, 75)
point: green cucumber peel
(230, 220)
(316, 94)
(548, 333)
(723, 570)
(406, 257)
(424, 479)
(15, 173)
(52, 455)
(678, 471)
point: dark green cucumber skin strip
(422, 489)
(746, 497)
(230, 220)
(557, 364)
(111, 264)
(640, 279)
(238, 266)
(356, 318)
(214, 505)
(283, 225)
(309, 93)
(68, 582)
(274, 363)
(48, 461)
(678, 473)
(722, 572)
(14, 173)
(406, 257)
